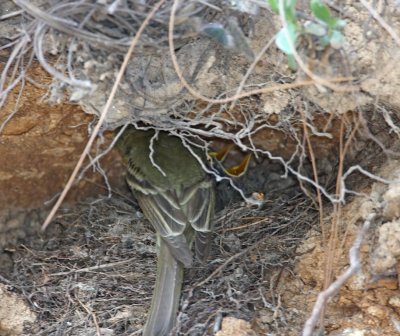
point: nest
(95, 270)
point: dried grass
(95, 276)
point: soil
(37, 157)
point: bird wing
(162, 209)
(198, 202)
(173, 211)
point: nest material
(98, 270)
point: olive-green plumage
(177, 197)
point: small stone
(376, 311)
(388, 247)
(395, 301)
(232, 326)
(266, 316)
(357, 282)
(392, 202)
(352, 332)
(388, 283)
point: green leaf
(315, 29)
(286, 38)
(321, 11)
(324, 41)
(274, 5)
(292, 62)
(336, 40)
(340, 24)
(290, 10)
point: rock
(388, 247)
(235, 327)
(14, 313)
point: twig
(151, 155)
(227, 262)
(8, 282)
(10, 15)
(251, 68)
(317, 79)
(93, 268)
(315, 173)
(333, 289)
(91, 313)
(106, 151)
(102, 116)
(250, 93)
(381, 21)
(245, 226)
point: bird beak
(240, 169)
(235, 170)
(222, 153)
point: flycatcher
(178, 198)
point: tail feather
(165, 302)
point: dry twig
(333, 289)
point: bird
(178, 198)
